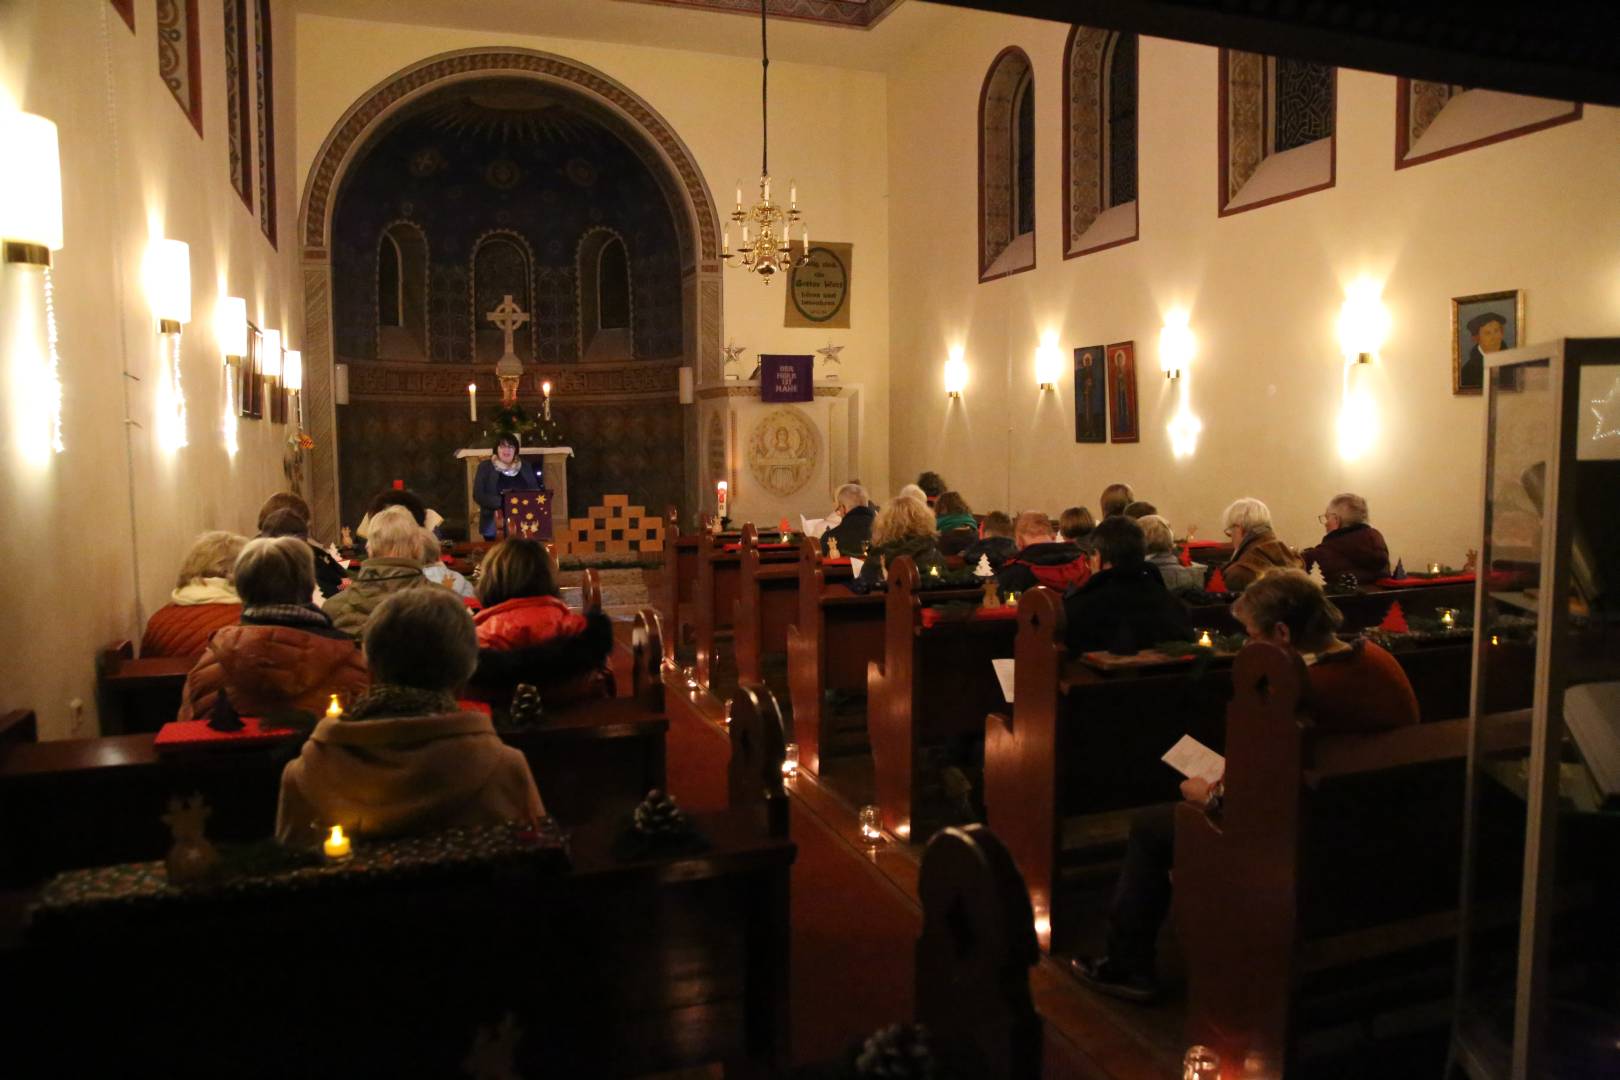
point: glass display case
(1538, 984)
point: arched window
(1435, 120)
(1099, 141)
(1007, 167)
(402, 293)
(605, 298)
(1277, 129)
(502, 266)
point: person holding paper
(854, 527)
(1354, 687)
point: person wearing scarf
(954, 521)
(506, 471)
(406, 758)
(204, 599)
(285, 655)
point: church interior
(697, 538)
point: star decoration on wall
(1606, 410)
(734, 352)
(830, 353)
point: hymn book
(1191, 758)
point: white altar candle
(720, 491)
(472, 401)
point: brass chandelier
(767, 245)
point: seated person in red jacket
(1351, 546)
(1042, 558)
(526, 634)
(1353, 687)
(1124, 607)
(204, 599)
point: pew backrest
(754, 775)
(648, 659)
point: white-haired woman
(204, 599)
(394, 563)
(1255, 548)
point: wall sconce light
(270, 365)
(30, 189)
(1177, 346)
(31, 228)
(1048, 364)
(230, 327)
(168, 286)
(292, 377)
(956, 374)
(1363, 323)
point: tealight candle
(1200, 1063)
(1205, 641)
(871, 825)
(334, 709)
(1434, 568)
(1447, 620)
(933, 571)
(337, 845)
(1495, 640)
(790, 760)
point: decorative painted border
(180, 56)
(984, 96)
(1110, 39)
(238, 115)
(264, 80)
(1222, 200)
(855, 14)
(1403, 125)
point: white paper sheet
(1191, 758)
(1004, 675)
(813, 527)
(855, 565)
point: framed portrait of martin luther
(1482, 324)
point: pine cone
(900, 1051)
(1347, 580)
(525, 710)
(658, 816)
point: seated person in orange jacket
(1255, 548)
(204, 599)
(1354, 686)
(526, 634)
(286, 654)
(1042, 558)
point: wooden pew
(17, 727)
(1362, 610)
(608, 967)
(934, 686)
(647, 660)
(1083, 747)
(137, 695)
(835, 634)
(754, 774)
(1330, 850)
(767, 604)
(718, 589)
(677, 582)
(87, 802)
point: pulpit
(553, 462)
(779, 460)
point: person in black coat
(1125, 607)
(997, 543)
(506, 471)
(854, 532)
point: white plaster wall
(1263, 289)
(99, 530)
(828, 131)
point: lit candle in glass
(336, 845)
(1447, 620)
(334, 709)
(933, 571)
(1495, 640)
(1200, 1063)
(871, 825)
(790, 760)
(1205, 640)
(1434, 568)
(472, 401)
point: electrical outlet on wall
(76, 718)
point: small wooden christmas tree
(1216, 582)
(1395, 620)
(1400, 570)
(1317, 576)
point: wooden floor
(835, 911)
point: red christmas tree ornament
(1186, 554)
(783, 527)
(1395, 620)
(1217, 582)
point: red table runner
(190, 734)
(934, 616)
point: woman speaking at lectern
(506, 471)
